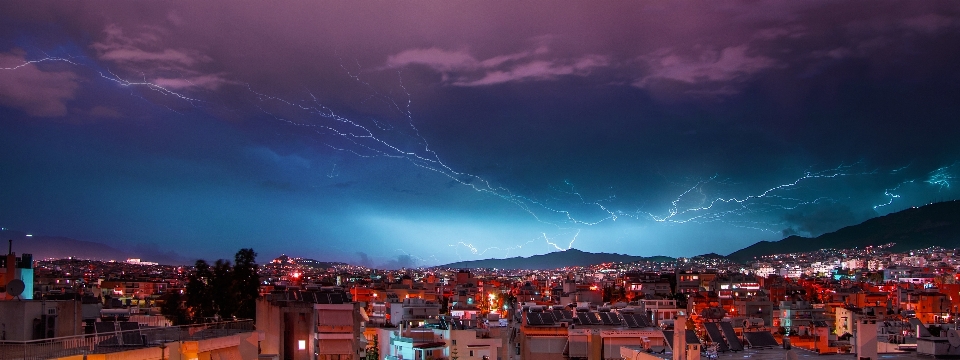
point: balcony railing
(112, 342)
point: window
(454, 342)
(471, 352)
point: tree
(373, 352)
(453, 354)
(681, 299)
(199, 298)
(225, 291)
(222, 290)
(444, 305)
(173, 308)
(612, 294)
(246, 282)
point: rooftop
(121, 341)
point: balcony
(139, 342)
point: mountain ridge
(59, 247)
(936, 224)
(553, 260)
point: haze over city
(416, 134)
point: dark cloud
(364, 260)
(38, 92)
(789, 232)
(646, 123)
(819, 219)
(154, 253)
(402, 262)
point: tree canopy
(224, 291)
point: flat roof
(780, 354)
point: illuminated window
(301, 344)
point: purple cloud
(539, 70)
(23, 85)
(438, 59)
(121, 48)
(460, 68)
(144, 53)
(732, 64)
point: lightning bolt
(941, 177)
(110, 76)
(379, 137)
(890, 193)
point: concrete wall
(467, 340)
(17, 318)
(69, 318)
(283, 326)
(14, 325)
(245, 344)
(297, 326)
(269, 322)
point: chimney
(680, 338)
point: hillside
(936, 224)
(58, 247)
(554, 260)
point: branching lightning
(942, 177)
(890, 193)
(702, 212)
(478, 252)
(377, 137)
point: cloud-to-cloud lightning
(495, 130)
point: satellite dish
(15, 287)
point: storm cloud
(448, 131)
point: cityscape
(821, 301)
(432, 180)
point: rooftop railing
(117, 341)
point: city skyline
(418, 134)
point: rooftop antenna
(10, 248)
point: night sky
(419, 133)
